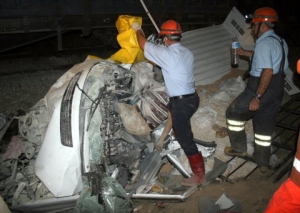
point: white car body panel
(59, 166)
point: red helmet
(170, 27)
(265, 14)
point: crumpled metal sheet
(111, 198)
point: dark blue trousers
(181, 111)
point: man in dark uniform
(261, 99)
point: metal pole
(153, 22)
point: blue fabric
(268, 54)
(177, 64)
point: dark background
(34, 28)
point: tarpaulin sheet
(130, 51)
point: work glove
(136, 26)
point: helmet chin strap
(258, 30)
(164, 41)
(170, 38)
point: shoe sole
(234, 154)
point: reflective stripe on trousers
(262, 140)
(235, 126)
(237, 135)
(262, 149)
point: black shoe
(263, 169)
(229, 151)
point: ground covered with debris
(20, 91)
(252, 193)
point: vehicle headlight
(66, 112)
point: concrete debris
(110, 100)
(223, 204)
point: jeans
(181, 111)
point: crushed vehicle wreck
(92, 138)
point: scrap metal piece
(49, 205)
(150, 167)
(218, 169)
(182, 197)
(205, 143)
(175, 162)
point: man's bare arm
(141, 38)
(264, 82)
(159, 145)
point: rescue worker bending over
(262, 97)
(177, 64)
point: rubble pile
(117, 99)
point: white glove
(136, 26)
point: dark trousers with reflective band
(181, 111)
(263, 119)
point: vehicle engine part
(123, 153)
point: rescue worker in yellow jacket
(177, 63)
(262, 97)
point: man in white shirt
(177, 64)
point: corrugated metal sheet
(211, 49)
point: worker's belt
(181, 96)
